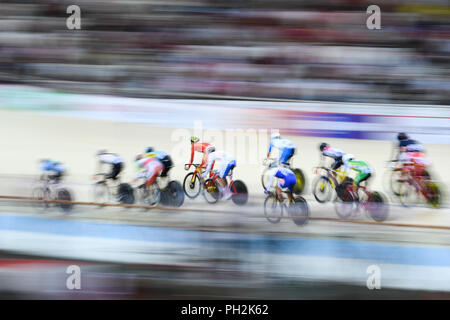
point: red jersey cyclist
(197, 146)
(150, 168)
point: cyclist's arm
(270, 150)
(192, 156)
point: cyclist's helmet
(101, 151)
(323, 145)
(149, 149)
(210, 149)
(347, 157)
(402, 136)
(138, 157)
(194, 139)
(275, 135)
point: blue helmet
(149, 149)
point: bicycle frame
(407, 173)
(107, 181)
(274, 194)
(214, 175)
(198, 172)
(331, 175)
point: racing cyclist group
(153, 163)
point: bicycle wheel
(152, 195)
(192, 185)
(173, 195)
(273, 210)
(64, 195)
(396, 181)
(211, 191)
(433, 194)
(344, 204)
(408, 194)
(240, 192)
(299, 211)
(125, 194)
(141, 193)
(100, 192)
(322, 189)
(301, 181)
(41, 193)
(377, 206)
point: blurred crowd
(283, 49)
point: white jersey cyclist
(227, 162)
(114, 160)
(110, 158)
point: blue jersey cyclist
(286, 148)
(51, 170)
(287, 180)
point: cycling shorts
(226, 167)
(288, 182)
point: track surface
(409, 257)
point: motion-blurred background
(318, 50)
(64, 94)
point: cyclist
(364, 171)
(285, 147)
(287, 181)
(116, 162)
(163, 157)
(411, 152)
(227, 163)
(198, 146)
(336, 154)
(151, 168)
(405, 144)
(52, 171)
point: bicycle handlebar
(193, 164)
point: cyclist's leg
(362, 176)
(337, 163)
(167, 162)
(278, 190)
(224, 170)
(290, 184)
(150, 175)
(420, 162)
(56, 176)
(115, 170)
